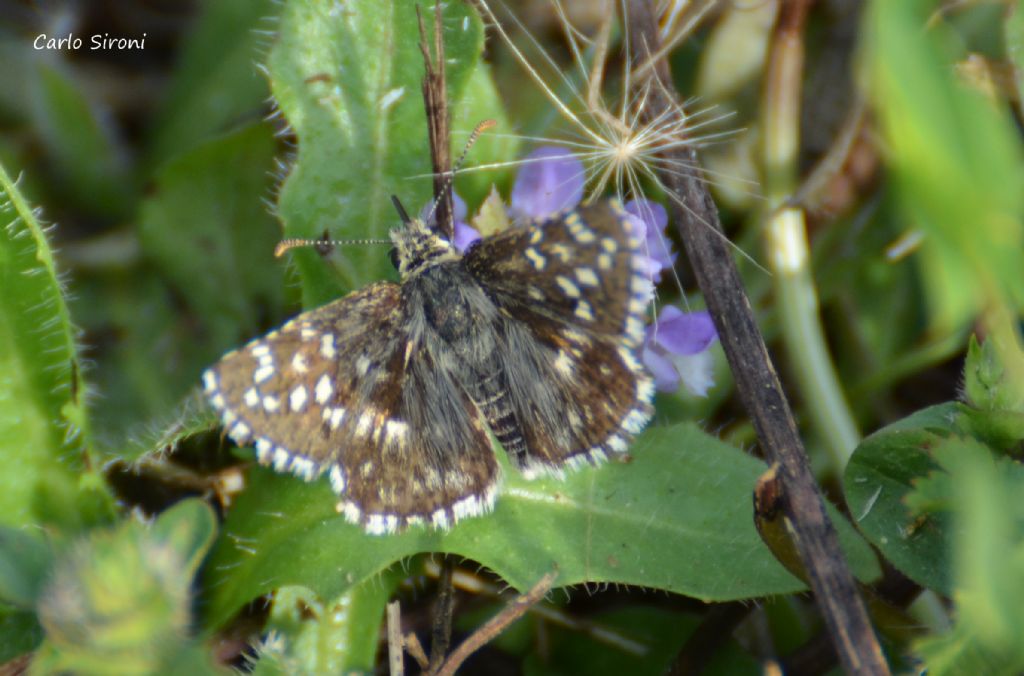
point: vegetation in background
(142, 194)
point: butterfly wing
(346, 390)
(572, 292)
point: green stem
(786, 242)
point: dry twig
(495, 626)
(756, 380)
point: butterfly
(393, 391)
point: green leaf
(349, 84)
(208, 231)
(989, 551)
(189, 527)
(1013, 37)
(880, 476)
(678, 517)
(25, 559)
(205, 229)
(985, 379)
(217, 84)
(995, 412)
(87, 156)
(144, 374)
(122, 596)
(190, 417)
(20, 631)
(336, 637)
(43, 425)
(957, 161)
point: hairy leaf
(678, 517)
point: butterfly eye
(393, 255)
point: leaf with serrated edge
(678, 517)
(881, 474)
(348, 82)
(42, 416)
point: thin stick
(396, 656)
(415, 650)
(716, 628)
(435, 100)
(442, 634)
(495, 626)
(756, 380)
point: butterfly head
(418, 246)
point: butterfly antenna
(286, 245)
(402, 213)
(480, 128)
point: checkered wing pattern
(346, 391)
(572, 292)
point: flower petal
(551, 180)
(654, 218)
(684, 333)
(666, 379)
(651, 214)
(464, 236)
(459, 204)
(697, 371)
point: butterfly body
(393, 391)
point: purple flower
(465, 235)
(551, 180)
(654, 219)
(675, 350)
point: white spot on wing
(299, 364)
(251, 397)
(352, 513)
(536, 260)
(584, 311)
(263, 373)
(209, 381)
(586, 276)
(336, 475)
(304, 468)
(324, 389)
(263, 449)
(567, 286)
(271, 404)
(440, 519)
(563, 364)
(327, 346)
(616, 443)
(395, 430)
(297, 399)
(364, 424)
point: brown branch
(435, 100)
(415, 650)
(442, 634)
(756, 380)
(716, 628)
(497, 624)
